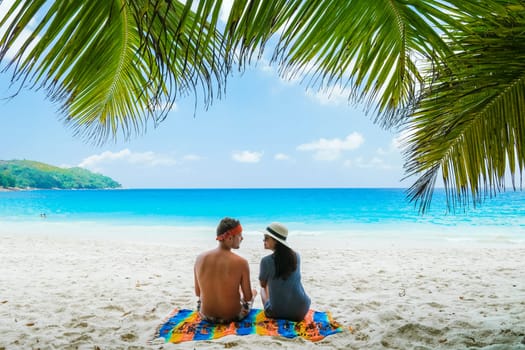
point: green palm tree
(470, 122)
(115, 65)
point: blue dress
(288, 300)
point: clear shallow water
(360, 212)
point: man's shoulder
(220, 254)
(206, 254)
(237, 257)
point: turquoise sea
(357, 212)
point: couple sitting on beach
(222, 278)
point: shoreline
(61, 291)
(348, 237)
(10, 189)
(22, 189)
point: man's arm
(246, 286)
(196, 280)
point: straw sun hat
(277, 231)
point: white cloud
(382, 152)
(264, 65)
(226, 7)
(400, 141)
(191, 157)
(162, 106)
(348, 163)
(393, 148)
(330, 149)
(247, 156)
(96, 161)
(372, 163)
(281, 156)
(335, 96)
(5, 5)
(396, 146)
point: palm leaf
(150, 51)
(469, 125)
(368, 46)
(112, 65)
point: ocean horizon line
(208, 188)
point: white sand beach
(60, 292)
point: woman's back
(288, 299)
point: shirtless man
(222, 278)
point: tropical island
(28, 174)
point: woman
(282, 293)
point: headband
(237, 230)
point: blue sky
(265, 132)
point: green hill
(31, 174)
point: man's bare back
(222, 278)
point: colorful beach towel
(186, 325)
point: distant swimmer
(43, 215)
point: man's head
(229, 232)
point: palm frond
(470, 123)
(368, 46)
(113, 65)
(148, 52)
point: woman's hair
(285, 260)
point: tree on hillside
(7, 181)
(449, 73)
